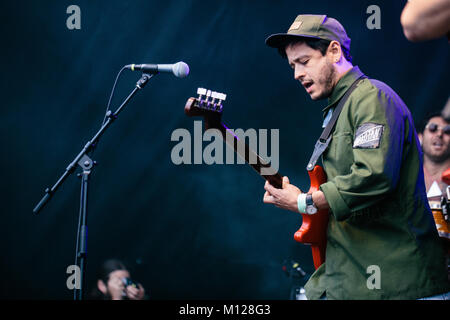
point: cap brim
(280, 40)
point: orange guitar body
(313, 230)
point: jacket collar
(342, 86)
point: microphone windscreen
(180, 69)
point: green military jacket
(382, 241)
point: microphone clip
(143, 80)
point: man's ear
(102, 287)
(420, 138)
(335, 50)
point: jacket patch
(368, 136)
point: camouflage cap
(311, 26)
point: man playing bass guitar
(382, 242)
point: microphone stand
(87, 164)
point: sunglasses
(433, 127)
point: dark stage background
(188, 231)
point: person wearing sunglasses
(434, 136)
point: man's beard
(327, 80)
(436, 157)
(439, 158)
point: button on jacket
(382, 239)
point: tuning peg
(201, 91)
(207, 99)
(214, 96)
(221, 97)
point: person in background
(426, 19)
(114, 283)
(434, 136)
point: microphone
(179, 69)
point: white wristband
(301, 202)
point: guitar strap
(325, 137)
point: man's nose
(439, 132)
(299, 73)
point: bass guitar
(313, 230)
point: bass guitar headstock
(208, 104)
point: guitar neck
(250, 156)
